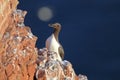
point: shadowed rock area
(19, 58)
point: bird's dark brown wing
(61, 52)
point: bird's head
(56, 26)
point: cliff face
(17, 44)
(19, 58)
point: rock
(19, 57)
(18, 53)
(49, 68)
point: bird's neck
(56, 34)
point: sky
(90, 33)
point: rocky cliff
(19, 58)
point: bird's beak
(50, 25)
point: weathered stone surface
(17, 44)
(19, 58)
(6, 8)
(49, 68)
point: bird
(52, 42)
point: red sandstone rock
(19, 58)
(17, 44)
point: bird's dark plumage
(61, 52)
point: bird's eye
(57, 25)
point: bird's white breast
(53, 45)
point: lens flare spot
(45, 13)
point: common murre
(52, 42)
